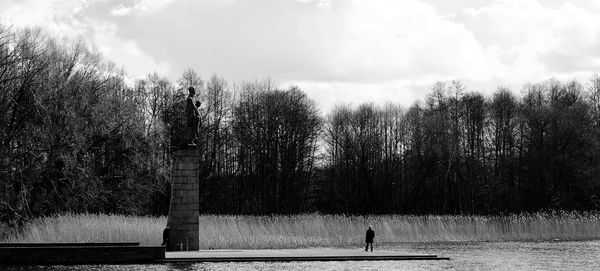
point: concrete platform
(78, 253)
(123, 244)
(289, 255)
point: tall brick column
(184, 209)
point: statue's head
(192, 91)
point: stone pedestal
(184, 208)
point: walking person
(369, 238)
(166, 236)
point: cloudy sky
(337, 51)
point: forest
(77, 136)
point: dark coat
(166, 236)
(370, 236)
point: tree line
(75, 136)
(462, 153)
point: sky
(338, 51)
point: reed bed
(70, 227)
(315, 230)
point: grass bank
(314, 230)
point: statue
(193, 118)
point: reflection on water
(583, 255)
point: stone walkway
(312, 254)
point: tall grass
(314, 230)
(91, 228)
(337, 230)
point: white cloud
(121, 10)
(59, 17)
(337, 50)
(71, 19)
(596, 5)
(410, 40)
(140, 6)
(537, 41)
(126, 52)
(329, 94)
(318, 3)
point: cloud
(318, 3)
(338, 50)
(140, 6)
(291, 40)
(410, 39)
(121, 10)
(537, 41)
(59, 17)
(126, 53)
(329, 94)
(76, 19)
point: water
(513, 256)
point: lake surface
(579, 255)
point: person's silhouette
(166, 236)
(369, 238)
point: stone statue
(193, 118)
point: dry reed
(70, 227)
(315, 230)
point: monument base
(184, 207)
